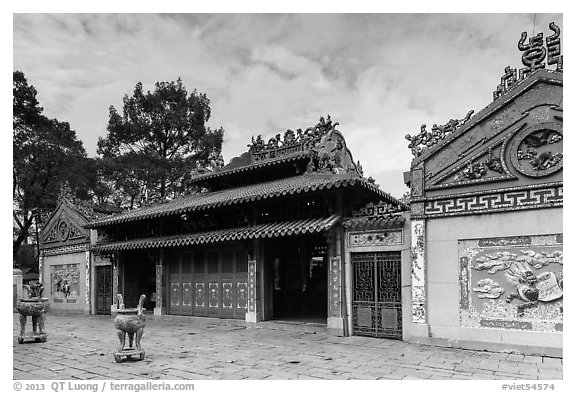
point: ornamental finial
(533, 58)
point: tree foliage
(46, 154)
(153, 146)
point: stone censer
(36, 307)
(131, 322)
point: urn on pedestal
(34, 306)
(131, 322)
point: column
(115, 262)
(41, 267)
(17, 286)
(158, 310)
(87, 308)
(418, 272)
(335, 321)
(254, 313)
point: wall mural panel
(65, 283)
(512, 283)
(376, 238)
(418, 272)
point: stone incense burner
(131, 322)
(34, 306)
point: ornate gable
(64, 228)
(512, 146)
(519, 140)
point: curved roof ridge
(308, 182)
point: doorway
(376, 297)
(103, 289)
(140, 278)
(300, 278)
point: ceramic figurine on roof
(533, 58)
(425, 139)
(290, 139)
(216, 161)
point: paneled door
(103, 289)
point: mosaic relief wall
(376, 238)
(418, 272)
(512, 283)
(65, 283)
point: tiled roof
(249, 193)
(277, 229)
(257, 165)
(375, 222)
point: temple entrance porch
(296, 279)
(138, 277)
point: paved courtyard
(81, 347)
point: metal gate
(376, 299)
(103, 289)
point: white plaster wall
(442, 271)
(66, 259)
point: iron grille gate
(377, 300)
(103, 289)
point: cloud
(488, 289)
(380, 75)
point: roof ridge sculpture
(290, 146)
(89, 210)
(533, 59)
(291, 140)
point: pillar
(88, 270)
(41, 267)
(115, 279)
(160, 262)
(17, 286)
(254, 313)
(418, 239)
(335, 320)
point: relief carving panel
(512, 283)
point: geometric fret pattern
(515, 199)
(65, 249)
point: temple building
(69, 270)
(263, 239)
(292, 231)
(486, 215)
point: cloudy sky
(379, 75)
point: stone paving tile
(183, 348)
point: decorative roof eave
(539, 76)
(262, 231)
(278, 188)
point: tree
(161, 136)
(46, 154)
